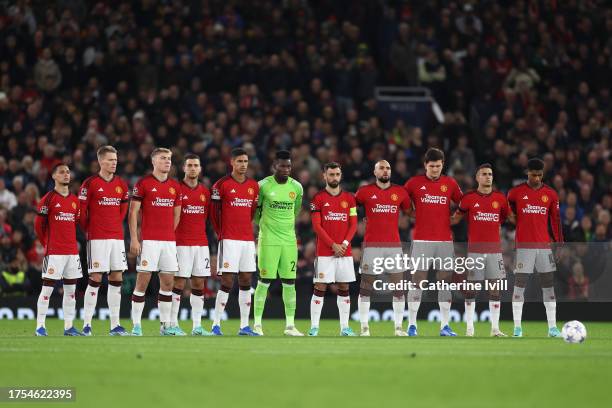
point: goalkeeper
(279, 203)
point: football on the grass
(574, 332)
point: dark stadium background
(514, 80)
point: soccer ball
(574, 332)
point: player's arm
(352, 226)
(40, 224)
(178, 203)
(260, 203)
(298, 201)
(459, 213)
(512, 206)
(504, 213)
(84, 207)
(555, 219)
(125, 200)
(135, 205)
(411, 211)
(215, 210)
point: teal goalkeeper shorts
(277, 261)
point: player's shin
(69, 304)
(399, 305)
(364, 309)
(138, 299)
(164, 300)
(414, 302)
(518, 298)
(43, 303)
(197, 306)
(176, 305)
(261, 293)
(316, 306)
(244, 302)
(113, 297)
(344, 308)
(550, 304)
(470, 308)
(495, 309)
(91, 299)
(289, 300)
(220, 302)
(444, 301)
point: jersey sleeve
(555, 217)
(352, 206)
(40, 223)
(359, 197)
(124, 200)
(84, 204)
(408, 187)
(505, 209)
(298, 199)
(457, 193)
(138, 191)
(463, 204)
(215, 208)
(314, 204)
(512, 199)
(406, 202)
(260, 200)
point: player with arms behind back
(485, 211)
(58, 215)
(334, 221)
(382, 202)
(104, 204)
(234, 199)
(191, 246)
(432, 195)
(159, 199)
(534, 205)
(280, 202)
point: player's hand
(135, 247)
(338, 249)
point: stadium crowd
(515, 79)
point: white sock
(495, 309)
(220, 303)
(69, 305)
(444, 301)
(414, 302)
(43, 305)
(518, 298)
(197, 306)
(113, 298)
(316, 306)
(470, 308)
(364, 310)
(137, 308)
(399, 305)
(244, 301)
(344, 310)
(550, 304)
(176, 305)
(91, 299)
(165, 309)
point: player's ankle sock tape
(70, 281)
(114, 283)
(138, 297)
(320, 293)
(93, 283)
(177, 291)
(245, 288)
(197, 292)
(225, 289)
(48, 282)
(164, 296)
(343, 292)
(519, 294)
(365, 293)
(415, 295)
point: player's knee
(95, 277)
(70, 281)
(266, 281)
(244, 279)
(48, 282)
(470, 295)
(547, 279)
(288, 281)
(320, 287)
(198, 283)
(494, 295)
(179, 283)
(93, 283)
(520, 280)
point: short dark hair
(331, 165)
(190, 156)
(105, 149)
(535, 164)
(238, 151)
(57, 166)
(433, 154)
(283, 155)
(484, 166)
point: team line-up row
(167, 225)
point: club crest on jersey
(394, 197)
(344, 204)
(202, 197)
(74, 206)
(495, 205)
(118, 190)
(250, 191)
(172, 190)
(292, 195)
(544, 198)
(443, 188)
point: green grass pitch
(276, 371)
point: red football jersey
(103, 207)
(533, 209)
(234, 205)
(432, 202)
(382, 209)
(485, 213)
(335, 211)
(191, 230)
(56, 223)
(158, 201)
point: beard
(333, 184)
(383, 179)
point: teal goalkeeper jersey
(277, 209)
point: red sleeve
(318, 229)
(138, 191)
(215, 212)
(457, 193)
(40, 223)
(463, 204)
(84, 206)
(359, 197)
(512, 199)
(255, 201)
(505, 209)
(555, 218)
(178, 201)
(406, 203)
(124, 200)
(408, 187)
(352, 222)
(208, 203)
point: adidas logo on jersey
(326, 205)
(423, 188)
(525, 198)
(154, 189)
(185, 197)
(233, 191)
(100, 189)
(476, 205)
(57, 205)
(374, 196)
